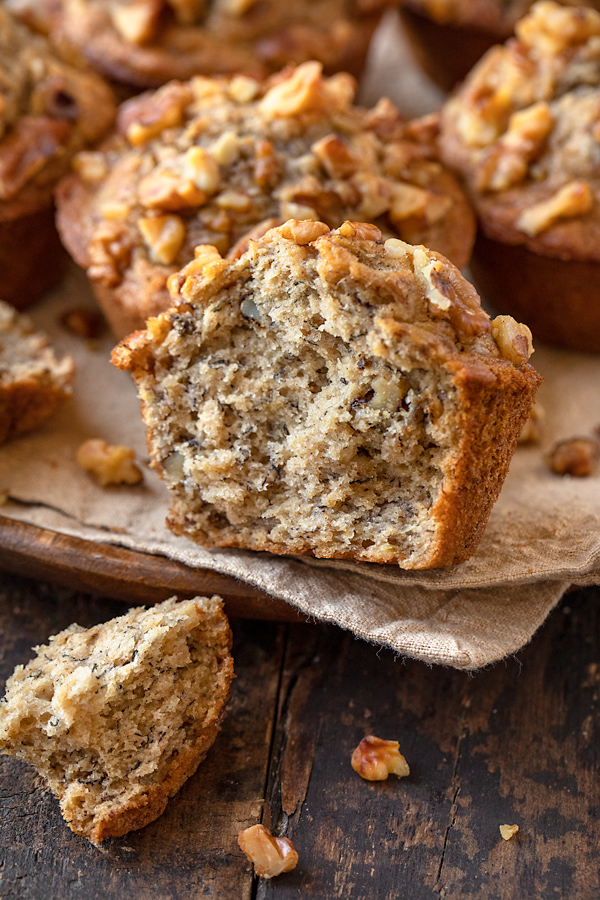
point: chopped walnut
(577, 457)
(166, 189)
(303, 232)
(136, 21)
(551, 30)
(507, 831)
(513, 338)
(225, 150)
(374, 759)
(164, 236)
(270, 855)
(243, 89)
(109, 253)
(207, 264)
(574, 199)
(91, 166)
(202, 169)
(361, 230)
(147, 116)
(305, 90)
(335, 156)
(108, 463)
(509, 160)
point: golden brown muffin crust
(149, 42)
(49, 110)
(215, 161)
(523, 132)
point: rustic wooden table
(515, 744)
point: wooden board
(516, 743)
(127, 574)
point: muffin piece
(217, 161)
(33, 382)
(450, 36)
(523, 132)
(145, 43)
(48, 111)
(332, 394)
(117, 717)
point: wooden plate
(138, 578)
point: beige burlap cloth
(543, 535)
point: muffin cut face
(329, 394)
(217, 162)
(118, 716)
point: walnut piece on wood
(374, 759)
(270, 855)
(577, 457)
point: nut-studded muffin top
(524, 132)
(149, 42)
(49, 109)
(497, 17)
(218, 161)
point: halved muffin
(118, 716)
(331, 393)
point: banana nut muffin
(49, 110)
(117, 717)
(215, 161)
(34, 383)
(334, 394)
(145, 43)
(450, 36)
(524, 133)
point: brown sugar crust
(150, 42)
(333, 394)
(117, 717)
(215, 161)
(34, 383)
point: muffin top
(217, 161)
(497, 17)
(148, 42)
(49, 110)
(524, 133)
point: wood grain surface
(514, 744)
(126, 574)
